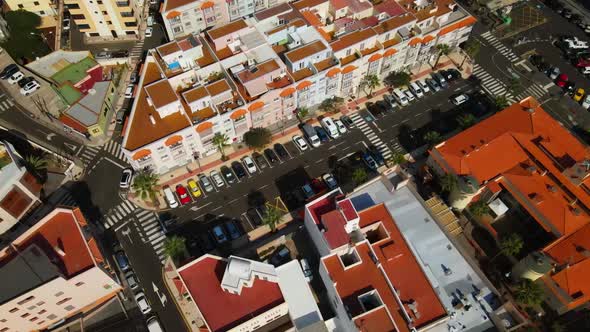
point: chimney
(59, 251)
(551, 188)
(413, 305)
(529, 110)
(536, 198)
(152, 120)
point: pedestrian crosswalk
(360, 123)
(5, 104)
(114, 149)
(118, 213)
(532, 90)
(150, 231)
(88, 153)
(505, 51)
(66, 200)
(490, 84)
(137, 50)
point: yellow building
(47, 9)
(106, 18)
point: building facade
(285, 57)
(40, 7)
(109, 19)
(53, 272)
(19, 190)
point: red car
(183, 194)
(561, 80)
(582, 62)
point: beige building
(53, 273)
(106, 18)
(47, 9)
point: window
(42, 312)
(104, 12)
(70, 6)
(83, 26)
(70, 307)
(52, 316)
(80, 283)
(58, 294)
(13, 310)
(348, 52)
(25, 300)
(25, 315)
(130, 24)
(99, 2)
(33, 319)
(36, 3)
(32, 307)
(21, 6)
(41, 12)
(78, 17)
(62, 301)
(40, 303)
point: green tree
(35, 164)
(369, 82)
(257, 138)
(330, 105)
(221, 142)
(25, 40)
(479, 208)
(397, 158)
(442, 49)
(272, 217)
(175, 248)
(397, 79)
(471, 49)
(466, 120)
(514, 87)
(510, 245)
(528, 293)
(302, 112)
(359, 176)
(501, 102)
(145, 183)
(432, 138)
(448, 182)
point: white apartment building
(289, 56)
(187, 17)
(109, 19)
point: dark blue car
(376, 154)
(322, 134)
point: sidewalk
(182, 174)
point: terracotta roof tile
(261, 70)
(458, 25)
(195, 94)
(218, 87)
(305, 51)
(352, 39)
(307, 3)
(227, 29)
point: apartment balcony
(229, 105)
(393, 41)
(351, 58)
(123, 4)
(279, 82)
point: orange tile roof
(301, 74)
(255, 106)
(195, 94)
(324, 34)
(427, 39)
(458, 25)
(173, 140)
(524, 135)
(394, 23)
(375, 57)
(352, 39)
(141, 154)
(227, 29)
(325, 64)
(218, 87)
(238, 114)
(304, 85)
(262, 69)
(305, 51)
(207, 4)
(307, 3)
(333, 72)
(287, 92)
(171, 4)
(311, 18)
(415, 41)
(574, 281)
(161, 93)
(390, 52)
(348, 69)
(348, 59)
(169, 48)
(204, 126)
(173, 14)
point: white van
(153, 325)
(416, 90)
(150, 21)
(400, 97)
(330, 127)
(172, 202)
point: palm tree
(302, 112)
(471, 48)
(443, 49)
(145, 183)
(528, 293)
(397, 158)
(501, 102)
(359, 176)
(510, 245)
(175, 248)
(272, 217)
(479, 208)
(35, 163)
(466, 120)
(220, 140)
(432, 138)
(449, 182)
(370, 82)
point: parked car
(228, 175)
(183, 195)
(318, 185)
(216, 178)
(306, 270)
(129, 91)
(8, 71)
(341, 127)
(447, 75)
(300, 142)
(369, 161)
(30, 87)
(347, 121)
(219, 234)
(377, 155)
(388, 98)
(330, 181)
(131, 280)
(307, 191)
(459, 99)
(194, 188)
(433, 84)
(15, 77)
(374, 109)
(561, 80)
(553, 73)
(579, 94)
(260, 161)
(423, 85)
(238, 169)
(454, 74)
(409, 95)
(25, 80)
(282, 256)
(569, 87)
(281, 151)
(205, 242)
(322, 134)
(149, 32)
(205, 183)
(122, 261)
(142, 303)
(126, 176)
(271, 156)
(586, 102)
(249, 164)
(440, 80)
(232, 230)
(133, 78)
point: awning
(287, 92)
(204, 126)
(207, 4)
(333, 72)
(463, 23)
(238, 114)
(390, 52)
(172, 14)
(141, 154)
(303, 85)
(415, 41)
(348, 69)
(375, 57)
(427, 39)
(173, 140)
(255, 106)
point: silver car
(217, 179)
(205, 183)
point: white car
(217, 179)
(129, 91)
(423, 85)
(409, 95)
(586, 102)
(16, 77)
(66, 24)
(306, 270)
(300, 142)
(131, 280)
(341, 127)
(126, 177)
(460, 99)
(249, 164)
(142, 303)
(149, 31)
(575, 43)
(30, 87)
(330, 181)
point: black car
(8, 71)
(570, 87)
(322, 134)
(271, 156)
(377, 155)
(447, 75)
(536, 59)
(384, 105)
(260, 161)
(375, 109)
(347, 121)
(454, 73)
(25, 81)
(233, 230)
(228, 174)
(205, 242)
(281, 151)
(239, 169)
